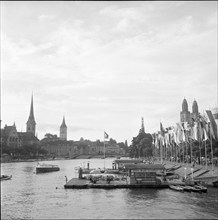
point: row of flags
(200, 129)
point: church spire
(142, 126)
(63, 130)
(63, 125)
(31, 124)
(31, 116)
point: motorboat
(177, 188)
(45, 168)
(194, 189)
(6, 177)
(187, 188)
(202, 188)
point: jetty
(138, 176)
(76, 183)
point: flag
(213, 124)
(106, 136)
(162, 131)
(181, 132)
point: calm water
(42, 196)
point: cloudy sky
(104, 65)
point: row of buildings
(54, 145)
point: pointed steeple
(31, 124)
(63, 125)
(142, 126)
(63, 130)
(31, 116)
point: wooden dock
(76, 183)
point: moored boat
(215, 183)
(6, 177)
(45, 168)
(202, 188)
(187, 188)
(176, 188)
(194, 189)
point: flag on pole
(213, 125)
(106, 136)
(162, 131)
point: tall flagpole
(104, 151)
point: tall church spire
(31, 124)
(63, 130)
(63, 125)
(142, 126)
(31, 116)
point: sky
(106, 64)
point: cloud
(43, 17)
(110, 67)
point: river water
(42, 196)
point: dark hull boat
(202, 188)
(45, 168)
(5, 177)
(215, 183)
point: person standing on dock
(80, 173)
(66, 178)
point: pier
(76, 183)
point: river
(42, 196)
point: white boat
(177, 188)
(45, 168)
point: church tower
(194, 113)
(31, 124)
(63, 130)
(142, 130)
(184, 114)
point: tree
(141, 145)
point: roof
(63, 125)
(128, 160)
(144, 166)
(27, 136)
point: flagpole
(104, 151)
(211, 144)
(206, 154)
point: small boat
(202, 188)
(187, 188)
(177, 188)
(194, 189)
(45, 168)
(6, 177)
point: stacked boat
(195, 188)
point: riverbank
(201, 173)
(59, 158)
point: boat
(177, 188)
(187, 188)
(194, 189)
(202, 188)
(45, 168)
(6, 177)
(215, 183)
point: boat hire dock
(138, 176)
